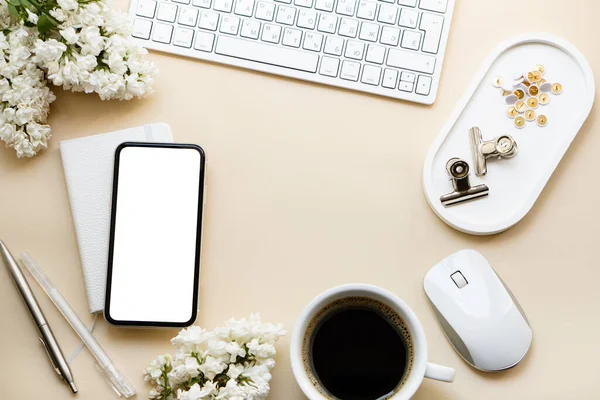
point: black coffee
(358, 349)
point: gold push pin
(533, 90)
(533, 102)
(542, 120)
(519, 122)
(529, 115)
(511, 112)
(540, 68)
(519, 93)
(520, 106)
(557, 88)
(497, 81)
(537, 76)
(544, 99)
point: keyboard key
(354, 50)
(423, 85)
(291, 37)
(375, 54)
(167, 12)
(371, 75)
(141, 28)
(350, 70)
(324, 5)
(271, 33)
(265, 11)
(405, 86)
(208, 20)
(329, 66)
(204, 41)
(348, 27)
(312, 41)
(250, 29)
(390, 35)
(410, 60)
(182, 1)
(304, 3)
(411, 40)
(244, 7)
(284, 1)
(183, 37)
(307, 19)
(410, 3)
(369, 32)
(432, 25)
(334, 45)
(146, 8)
(286, 15)
(387, 14)
(390, 77)
(267, 54)
(230, 24)
(408, 18)
(200, 3)
(367, 10)
(162, 33)
(188, 16)
(327, 23)
(434, 5)
(223, 5)
(408, 76)
(346, 7)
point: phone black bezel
(113, 214)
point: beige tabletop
(310, 187)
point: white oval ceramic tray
(514, 184)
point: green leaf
(44, 24)
(29, 5)
(15, 3)
(12, 10)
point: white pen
(119, 383)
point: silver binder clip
(459, 172)
(501, 147)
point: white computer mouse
(478, 313)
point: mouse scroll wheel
(459, 279)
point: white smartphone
(155, 235)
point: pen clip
(52, 361)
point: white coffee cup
(421, 368)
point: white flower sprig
(231, 362)
(24, 96)
(81, 45)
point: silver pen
(46, 337)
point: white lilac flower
(197, 393)
(194, 335)
(68, 5)
(231, 391)
(235, 371)
(155, 369)
(212, 367)
(235, 350)
(259, 350)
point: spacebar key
(267, 54)
(411, 60)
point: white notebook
(88, 165)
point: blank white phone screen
(155, 235)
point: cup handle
(439, 372)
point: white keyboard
(392, 48)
